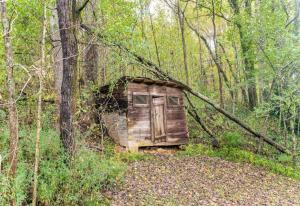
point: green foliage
(77, 183)
(133, 156)
(238, 155)
(284, 158)
(233, 139)
(109, 148)
(80, 183)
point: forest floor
(171, 180)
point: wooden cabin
(139, 112)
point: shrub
(284, 158)
(233, 139)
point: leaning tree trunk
(12, 108)
(66, 10)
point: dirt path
(203, 181)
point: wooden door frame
(152, 123)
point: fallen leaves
(169, 180)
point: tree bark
(154, 39)
(66, 10)
(193, 112)
(12, 107)
(39, 110)
(247, 52)
(203, 77)
(91, 50)
(216, 56)
(180, 14)
(57, 59)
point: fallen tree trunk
(193, 112)
(159, 73)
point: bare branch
(296, 15)
(79, 9)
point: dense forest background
(241, 54)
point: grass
(241, 156)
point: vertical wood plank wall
(139, 118)
(132, 125)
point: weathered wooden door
(158, 118)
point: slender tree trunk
(39, 110)
(180, 14)
(297, 14)
(238, 75)
(91, 68)
(103, 64)
(203, 77)
(91, 50)
(91, 56)
(57, 60)
(294, 137)
(66, 10)
(154, 39)
(142, 19)
(144, 7)
(247, 52)
(1, 163)
(216, 56)
(12, 108)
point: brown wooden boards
(159, 118)
(154, 113)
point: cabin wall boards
(151, 113)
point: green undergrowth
(242, 156)
(128, 157)
(79, 181)
(123, 156)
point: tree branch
(79, 9)
(296, 15)
(193, 112)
